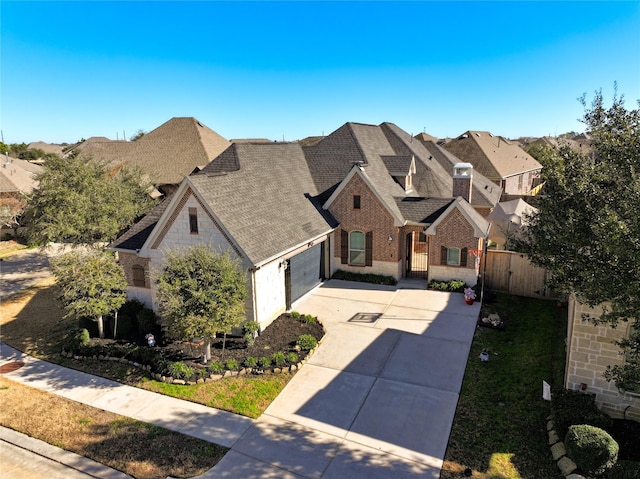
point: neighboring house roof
(46, 147)
(167, 154)
(509, 217)
(492, 156)
(18, 176)
(426, 137)
(484, 191)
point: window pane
(356, 240)
(453, 256)
(356, 257)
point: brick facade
(590, 350)
(128, 261)
(454, 231)
(371, 216)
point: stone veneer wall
(590, 350)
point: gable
(476, 222)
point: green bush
(264, 362)
(215, 367)
(76, 340)
(573, 407)
(307, 342)
(145, 321)
(295, 315)
(293, 358)
(592, 449)
(308, 319)
(231, 365)
(279, 359)
(127, 322)
(454, 285)
(624, 470)
(250, 330)
(250, 362)
(179, 370)
(365, 277)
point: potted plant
(469, 295)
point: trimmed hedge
(592, 449)
(365, 277)
(573, 407)
(454, 285)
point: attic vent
(464, 136)
(199, 124)
(491, 135)
(478, 135)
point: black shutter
(344, 247)
(443, 255)
(368, 249)
(463, 257)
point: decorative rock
(566, 466)
(123, 360)
(113, 359)
(550, 425)
(293, 367)
(101, 357)
(575, 476)
(226, 374)
(77, 357)
(553, 437)
(200, 381)
(215, 377)
(277, 370)
(191, 383)
(179, 381)
(243, 372)
(136, 364)
(267, 371)
(558, 450)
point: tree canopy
(93, 284)
(83, 201)
(587, 229)
(201, 293)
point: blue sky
(287, 70)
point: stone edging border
(559, 453)
(212, 377)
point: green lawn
(499, 428)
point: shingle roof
(18, 176)
(267, 205)
(492, 156)
(136, 236)
(46, 147)
(422, 210)
(167, 154)
(484, 191)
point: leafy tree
(93, 284)
(83, 201)
(587, 229)
(31, 154)
(4, 148)
(138, 134)
(201, 293)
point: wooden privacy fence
(512, 273)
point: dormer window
(193, 221)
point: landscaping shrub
(127, 319)
(145, 321)
(573, 407)
(295, 315)
(624, 470)
(293, 358)
(231, 365)
(264, 362)
(279, 359)
(215, 367)
(454, 285)
(250, 330)
(179, 370)
(250, 362)
(308, 319)
(592, 449)
(365, 277)
(76, 339)
(307, 342)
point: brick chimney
(462, 180)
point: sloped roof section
(491, 155)
(167, 154)
(18, 176)
(418, 209)
(134, 238)
(268, 205)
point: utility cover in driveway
(305, 271)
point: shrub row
(454, 285)
(365, 277)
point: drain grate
(10, 367)
(365, 317)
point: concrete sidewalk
(378, 398)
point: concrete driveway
(377, 399)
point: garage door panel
(305, 271)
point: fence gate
(511, 272)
